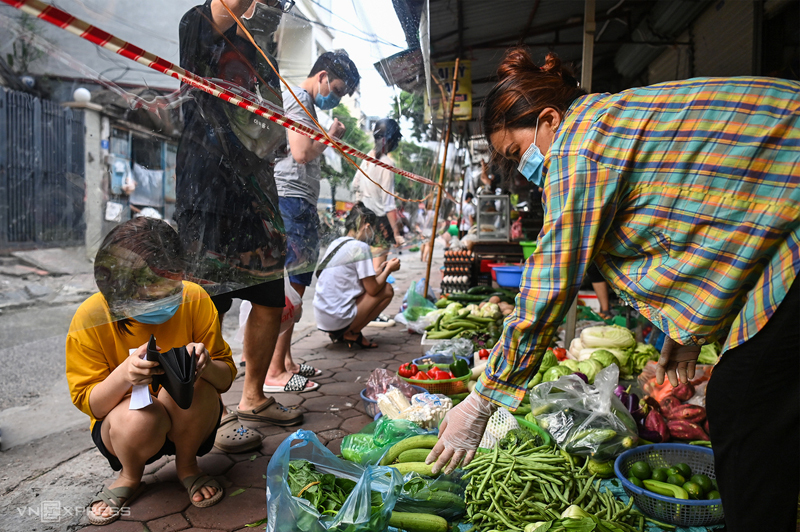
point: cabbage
(604, 357)
(548, 361)
(607, 336)
(709, 354)
(571, 364)
(555, 372)
(590, 368)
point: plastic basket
(528, 247)
(509, 276)
(446, 386)
(371, 406)
(439, 359)
(668, 509)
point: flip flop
(195, 483)
(359, 341)
(233, 437)
(272, 412)
(382, 321)
(309, 371)
(116, 499)
(297, 383)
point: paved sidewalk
(332, 411)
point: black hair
(133, 255)
(469, 196)
(359, 216)
(338, 65)
(389, 129)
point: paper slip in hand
(140, 395)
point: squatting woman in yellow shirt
(138, 271)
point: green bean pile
(509, 489)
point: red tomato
(560, 353)
(408, 370)
(483, 354)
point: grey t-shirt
(297, 180)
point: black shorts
(168, 449)
(269, 294)
(594, 275)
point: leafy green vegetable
(516, 437)
(709, 354)
(604, 357)
(555, 372)
(572, 365)
(590, 368)
(548, 361)
(607, 336)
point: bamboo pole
(441, 174)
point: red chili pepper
(483, 354)
(560, 353)
(408, 370)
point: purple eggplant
(649, 435)
(583, 377)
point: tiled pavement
(332, 411)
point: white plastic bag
(292, 312)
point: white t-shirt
(368, 192)
(340, 284)
(467, 212)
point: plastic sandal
(195, 483)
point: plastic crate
(371, 406)
(668, 509)
(446, 386)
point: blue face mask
(167, 308)
(531, 163)
(326, 102)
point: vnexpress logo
(53, 512)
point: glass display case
(493, 218)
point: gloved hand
(460, 433)
(677, 362)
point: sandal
(297, 383)
(309, 371)
(360, 342)
(195, 483)
(233, 437)
(273, 413)
(116, 499)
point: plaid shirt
(686, 196)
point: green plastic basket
(528, 247)
(445, 386)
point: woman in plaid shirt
(685, 195)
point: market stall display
(457, 272)
(493, 217)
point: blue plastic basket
(668, 509)
(439, 359)
(508, 276)
(372, 406)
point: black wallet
(179, 368)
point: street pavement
(49, 468)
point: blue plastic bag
(290, 514)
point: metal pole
(441, 174)
(586, 82)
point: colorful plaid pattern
(686, 196)
(101, 38)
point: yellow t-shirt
(96, 346)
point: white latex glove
(677, 362)
(460, 433)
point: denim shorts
(301, 222)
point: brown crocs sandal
(195, 483)
(116, 499)
(273, 413)
(233, 437)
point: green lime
(641, 470)
(678, 480)
(693, 489)
(704, 482)
(673, 471)
(712, 495)
(635, 481)
(684, 470)
(660, 474)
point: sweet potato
(655, 422)
(685, 430)
(683, 392)
(691, 413)
(668, 403)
